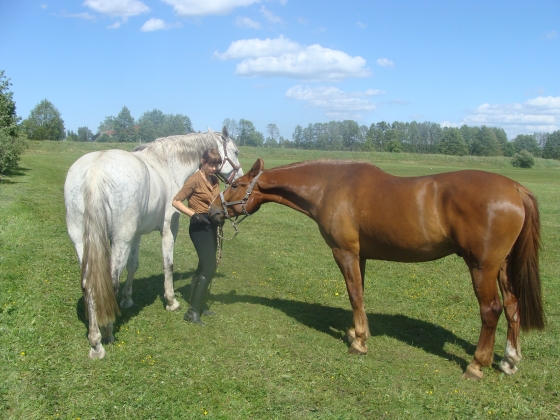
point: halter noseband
(243, 201)
(233, 165)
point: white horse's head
(230, 169)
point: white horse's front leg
(168, 236)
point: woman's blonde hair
(212, 157)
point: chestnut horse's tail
(526, 283)
(97, 283)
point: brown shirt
(199, 192)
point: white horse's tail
(97, 282)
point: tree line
(45, 123)
(410, 137)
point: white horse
(112, 198)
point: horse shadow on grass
(326, 319)
(12, 176)
(335, 321)
(145, 292)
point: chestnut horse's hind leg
(486, 290)
(352, 268)
(512, 354)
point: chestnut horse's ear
(257, 167)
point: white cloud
(44, 6)
(361, 25)
(271, 17)
(251, 48)
(118, 8)
(281, 57)
(85, 16)
(335, 102)
(535, 115)
(374, 92)
(245, 22)
(550, 35)
(195, 8)
(385, 62)
(154, 24)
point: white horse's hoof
(98, 353)
(126, 303)
(175, 306)
(507, 367)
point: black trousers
(205, 242)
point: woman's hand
(199, 218)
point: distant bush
(523, 159)
(394, 146)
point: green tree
(551, 148)
(526, 142)
(452, 142)
(71, 136)
(351, 135)
(248, 135)
(44, 123)
(107, 125)
(12, 143)
(125, 129)
(273, 135)
(393, 146)
(84, 134)
(486, 143)
(501, 136)
(297, 136)
(232, 127)
(155, 124)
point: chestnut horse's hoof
(356, 348)
(351, 335)
(473, 373)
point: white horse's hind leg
(131, 267)
(168, 236)
(96, 350)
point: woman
(200, 189)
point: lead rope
(220, 241)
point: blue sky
(288, 62)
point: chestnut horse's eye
(233, 186)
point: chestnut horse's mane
(319, 162)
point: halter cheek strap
(233, 165)
(243, 201)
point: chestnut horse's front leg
(351, 265)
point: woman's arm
(182, 208)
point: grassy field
(276, 347)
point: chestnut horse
(363, 213)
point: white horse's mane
(185, 148)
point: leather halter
(224, 160)
(243, 201)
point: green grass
(276, 347)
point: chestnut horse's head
(238, 198)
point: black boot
(195, 304)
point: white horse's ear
(209, 130)
(225, 132)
